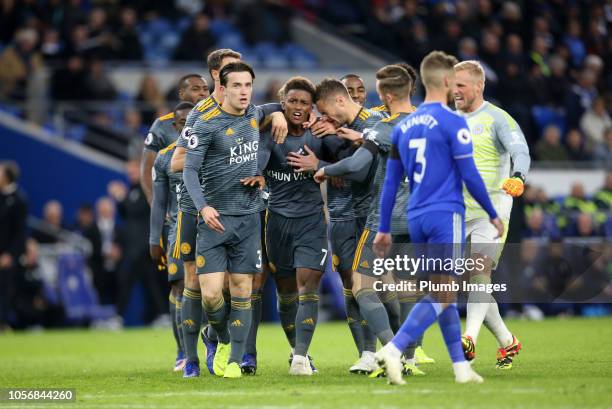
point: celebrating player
(433, 148)
(497, 139)
(394, 86)
(225, 140)
(347, 202)
(164, 203)
(193, 314)
(296, 239)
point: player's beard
(450, 99)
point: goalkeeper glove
(514, 185)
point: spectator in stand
(537, 226)
(577, 200)
(132, 121)
(603, 198)
(539, 55)
(603, 150)
(13, 214)
(558, 85)
(595, 121)
(577, 148)
(585, 225)
(151, 97)
(68, 82)
(196, 41)
(50, 230)
(514, 53)
(100, 38)
(127, 42)
(581, 97)
(52, 46)
(549, 148)
(99, 85)
(19, 61)
(574, 42)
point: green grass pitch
(564, 364)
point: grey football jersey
(362, 191)
(227, 145)
(169, 181)
(380, 135)
(161, 134)
(184, 200)
(293, 194)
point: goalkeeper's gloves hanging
(514, 185)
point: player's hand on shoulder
(312, 119)
(279, 127)
(254, 181)
(382, 243)
(211, 218)
(499, 226)
(349, 134)
(323, 127)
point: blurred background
(81, 81)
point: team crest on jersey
(149, 139)
(229, 132)
(172, 269)
(200, 261)
(193, 142)
(185, 248)
(254, 123)
(186, 132)
(478, 129)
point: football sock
(305, 321)
(406, 304)
(375, 314)
(495, 323)
(175, 332)
(217, 318)
(477, 306)
(240, 319)
(256, 306)
(450, 325)
(391, 304)
(422, 315)
(178, 321)
(353, 318)
(287, 309)
(369, 337)
(191, 319)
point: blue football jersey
(429, 142)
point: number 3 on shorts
(324, 251)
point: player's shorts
(264, 251)
(343, 237)
(174, 266)
(480, 235)
(295, 243)
(186, 230)
(236, 250)
(366, 262)
(439, 236)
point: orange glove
(514, 186)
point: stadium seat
(79, 299)
(544, 116)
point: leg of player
(191, 318)
(364, 338)
(306, 318)
(370, 306)
(440, 306)
(249, 360)
(287, 295)
(214, 303)
(414, 355)
(176, 290)
(391, 303)
(240, 318)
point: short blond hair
(435, 66)
(473, 67)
